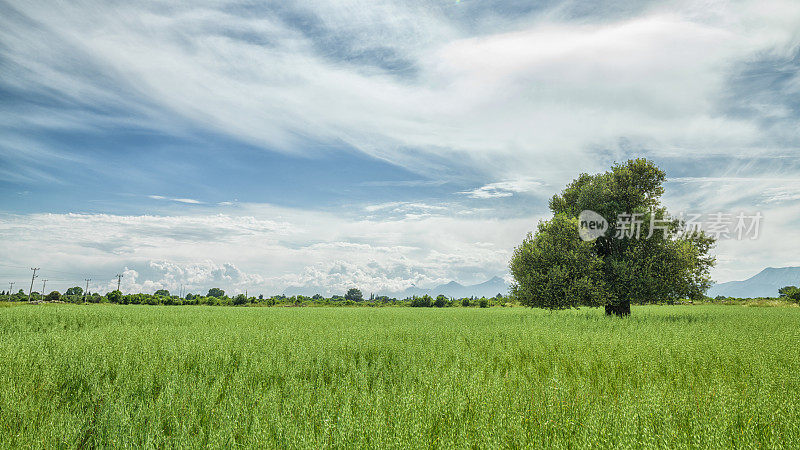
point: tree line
(218, 297)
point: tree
(114, 296)
(353, 295)
(77, 291)
(216, 293)
(556, 269)
(162, 293)
(424, 302)
(240, 299)
(790, 293)
(53, 296)
(440, 301)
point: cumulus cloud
(260, 254)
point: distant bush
(483, 303)
(464, 301)
(55, 295)
(440, 302)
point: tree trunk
(619, 309)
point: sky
(260, 146)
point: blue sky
(380, 144)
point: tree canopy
(790, 292)
(215, 292)
(641, 258)
(354, 295)
(77, 290)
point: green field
(131, 376)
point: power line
(34, 269)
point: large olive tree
(642, 257)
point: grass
(139, 376)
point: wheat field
(143, 376)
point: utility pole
(10, 288)
(86, 292)
(119, 281)
(44, 283)
(33, 277)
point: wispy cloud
(388, 77)
(189, 201)
(504, 189)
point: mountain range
(764, 284)
(488, 288)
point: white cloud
(538, 98)
(189, 201)
(772, 197)
(503, 189)
(258, 252)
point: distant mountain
(764, 284)
(489, 288)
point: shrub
(55, 295)
(440, 302)
(464, 301)
(483, 303)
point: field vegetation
(132, 376)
